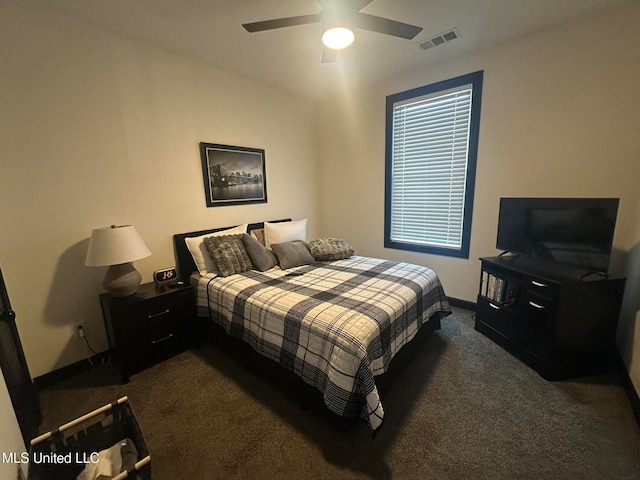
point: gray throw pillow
(330, 249)
(229, 254)
(261, 258)
(292, 254)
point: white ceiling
(211, 32)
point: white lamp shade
(115, 245)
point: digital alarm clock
(165, 276)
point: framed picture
(233, 175)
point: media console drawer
(496, 322)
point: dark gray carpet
(461, 408)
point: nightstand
(146, 328)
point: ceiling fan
(338, 19)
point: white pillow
(285, 232)
(199, 251)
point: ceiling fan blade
(387, 26)
(281, 23)
(329, 55)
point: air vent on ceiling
(439, 39)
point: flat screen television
(571, 231)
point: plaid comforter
(335, 324)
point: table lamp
(117, 246)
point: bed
(335, 324)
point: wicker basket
(73, 444)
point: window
(431, 151)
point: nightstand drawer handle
(539, 284)
(537, 305)
(156, 315)
(494, 306)
(162, 339)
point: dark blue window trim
(476, 99)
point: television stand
(546, 315)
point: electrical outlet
(81, 330)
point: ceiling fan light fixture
(338, 37)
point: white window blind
(430, 146)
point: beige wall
(629, 328)
(96, 130)
(560, 117)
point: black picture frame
(233, 175)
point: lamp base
(122, 280)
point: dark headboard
(184, 261)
